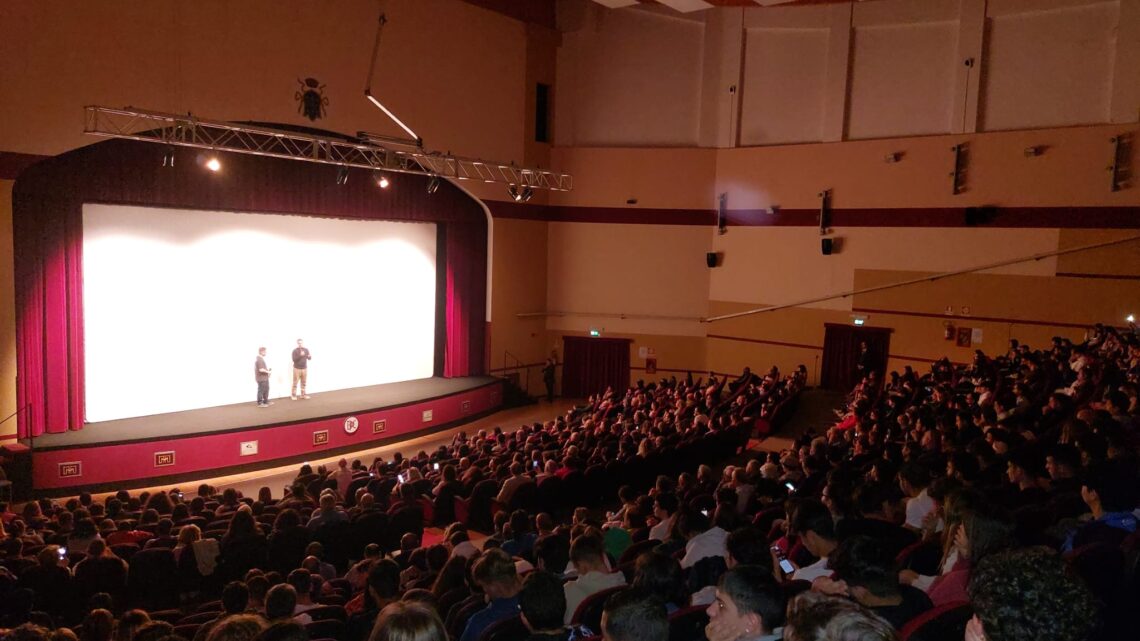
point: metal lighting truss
(366, 152)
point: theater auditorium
(569, 320)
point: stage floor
(242, 416)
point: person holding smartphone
(816, 529)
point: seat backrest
(946, 622)
(589, 612)
(330, 628)
(512, 629)
(326, 612)
(688, 624)
(636, 550)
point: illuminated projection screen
(176, 303)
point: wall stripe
(999, 217)
(1100, 276)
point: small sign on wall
(976, 335)
(651, 366)
(247, 448)
(70, 469)
(465, 407)
(427, 416)
(379, 426)
(321, 437)
(163, 459)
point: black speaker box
(825, 246)
(711, 259)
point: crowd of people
(995, 500)
(345, 553)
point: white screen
(177, 302)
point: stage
(166, 448)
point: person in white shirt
(749, 606)
(705, 542)
(665, 511)
(343, 477)
(812, 522)
(588, 556)
(517, 479)
(913, 480)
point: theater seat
(946, 622)
(330, 628)
(512, 629)
(688, 624)
(589, 612)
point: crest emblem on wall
(311, 99)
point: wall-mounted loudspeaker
(712, 258)
(826, 245)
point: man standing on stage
(301, 359)
(261, 374)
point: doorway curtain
(590, 365)
(841, 354)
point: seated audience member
(495, 574)
(49, 580)
(864, 570)
(1026, 595)
(588, 557)
(705, 541)
(129, 623)
(812, 522)
(281, 631)
(239, 627)
(662, 575)
(235, 600)
(302, 582)
(84, 533)
(100, 571)
(281, 605)
(127, 534)
(511, 484)
(521, 541)
(97, 625)
(744, 546)
(1108, 490)
(357, 575)
(815, 617)
(914, 478)
(633, 615)
(327, 513)
(552, 553)
(383, 589)
(408, 622)
(874, 502)
(542, 603)
(749, 606)
(258, 589)
(985, 529)
(665, 511)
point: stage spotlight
(342, 175)
(213, 164)
(519, 195)
(382, 180)
(433, 184)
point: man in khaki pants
(301, 359)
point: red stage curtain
(590, 365)
(466, 299)
(48, 201)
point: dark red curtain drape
(48, 201)
(841, 354)
(466, 299)
(590, 365)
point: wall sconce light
(893, 157)
(1034, 151)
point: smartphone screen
(436, 467)
(787, 566)
(791, 488)
(63, 553)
